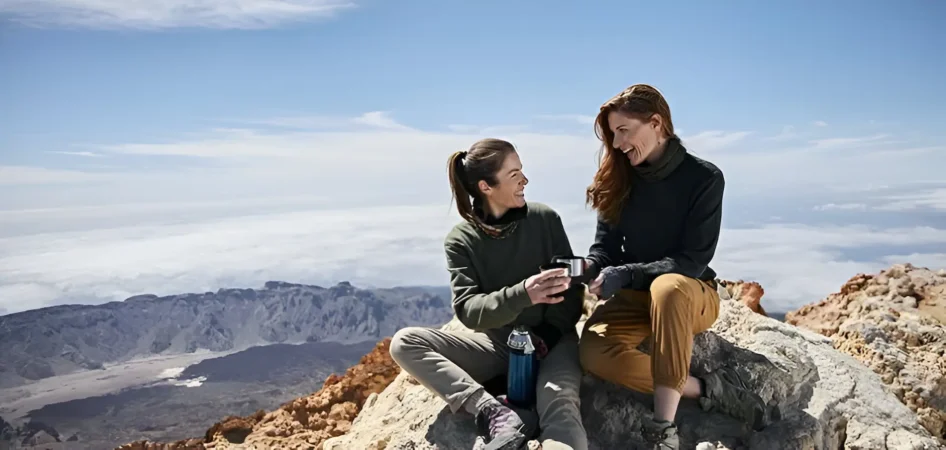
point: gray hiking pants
(452, 364)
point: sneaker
(726, 392)
(660, 434)
(502, 427)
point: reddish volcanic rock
(748, 292)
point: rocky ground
(827, 399)
(871, 377)
(894, 322)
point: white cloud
(19, 175)
(841, 207)
(708, 141)
(845, 142)
(382, 246)
(799, 264)
(819, 123)
(580, 119)
(934, 261)
(318, 154)
(788, 132)
(923, 199)
(163, 14)
(83, 154)
(296, 199)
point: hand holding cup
(544, 286)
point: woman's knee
(669, 290)
(404, 342)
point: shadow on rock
(452, 431)
(613, 414)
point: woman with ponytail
(494, 256)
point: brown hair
(611, 184)
(467, 168)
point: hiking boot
(660, 434)
(726, 392)
(503, 428)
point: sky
(190, 145)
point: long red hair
(612, 181)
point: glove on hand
(613, 279)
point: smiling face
(639, 140)
(509, 190)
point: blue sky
(120, 126)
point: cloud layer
(384, 246)
(302, 199)
(162, 14)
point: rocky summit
(895, 323)
(830, 395)
(827, 399)
(52, 341)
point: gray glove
(613, 279)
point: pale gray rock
(828, 400)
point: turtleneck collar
(670, 159)
(503, 226)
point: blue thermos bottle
(523, 368)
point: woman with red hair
(659, 214)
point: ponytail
(461, 195)
(466, 169)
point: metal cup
(574, 264)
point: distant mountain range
(61, 339)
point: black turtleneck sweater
(670, 222)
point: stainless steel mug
(574, 264)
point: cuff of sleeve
(594, 268)
(519, 297)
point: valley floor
(17, 402)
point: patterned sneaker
(661, 434)
(503, 428)
(726, 392)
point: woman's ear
(657, 122)
(483, 186)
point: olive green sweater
(488, 274)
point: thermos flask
(523, 368)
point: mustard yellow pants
(674, 309)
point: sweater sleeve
(700, 236)
(606, 249)
(560, 318)
(474, 308)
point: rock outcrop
(304, 423)
(748, 292)
(895, 323)
(828, 400)
(61, 339)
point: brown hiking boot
(727, 393)
(660, 434)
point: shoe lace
(657, 434)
